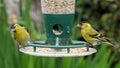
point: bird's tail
(111, 45)
(107, 41)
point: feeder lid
(51, 52)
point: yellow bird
(20, 34)
(91, 36)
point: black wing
(100, 37)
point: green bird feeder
(58, 16)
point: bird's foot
(23, 47)
(89, 46)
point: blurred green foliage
(104, 15)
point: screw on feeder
(68, 29)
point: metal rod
(68, 50)
(34, 48)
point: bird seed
(58, 6)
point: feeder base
(51, 52)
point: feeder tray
(39, 48)
(51, 52)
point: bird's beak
(13, 30)
(78, 25)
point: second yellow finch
(91, 35)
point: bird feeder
(58, 16)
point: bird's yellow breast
(21, 35)
(86, 36)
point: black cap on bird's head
(12, 26)
(80, 24)
(83, 24)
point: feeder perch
(58, 16)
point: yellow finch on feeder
(20, 34)
(91, 36)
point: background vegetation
(104, 15)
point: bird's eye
(81, 23)
(12, 26)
